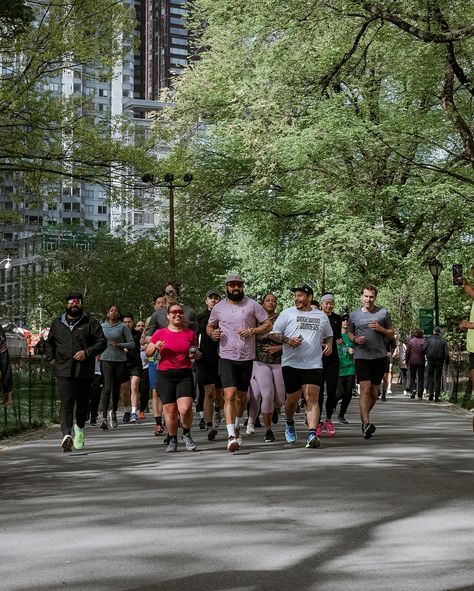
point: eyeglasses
(176, 312)
(170, 292)
(235, 284)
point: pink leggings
(266, 386)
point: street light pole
(171, 186)
(435, 269)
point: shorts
(471, 363)
(172, 384)
(235, 374)
(295, 378)
(207, 373)
(134, 370)
(371, 370)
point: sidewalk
(394, 512)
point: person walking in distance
(437, 354)
(415, 360)
(6, 376)
(306, 335)
(369, 327)
(74, 341)
(234, 322)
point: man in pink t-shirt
(234, 322)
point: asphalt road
(394, 512)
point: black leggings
(113, 372)
(345, 388)
(329, 385)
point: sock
(312, 431)
(158, 420)
(237, 422)
(251, 422)
(186, 431)
(201, 414)
(134, 409)
(231, 430)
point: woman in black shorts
(178, 348)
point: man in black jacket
(436, 351)
(74, 341)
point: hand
(465, 325)
(113, 344)
(80, 356)
(375, 326)
(7, 399)
(340, 342)
(294, 342)
(195, 356)
(327, 349)
(272, 349)
(246, 333)
(360, 340)
(216, 334)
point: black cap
(74, 296)
(304, 287)
(212, 292)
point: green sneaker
(78, 437)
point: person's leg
(438, 372)
(67, 398)
(107, 372)
(134, 392)
(311, 394)
(332, 376)
(430, 380)
(144, 390)
(117, 375)
(171, 417)
(82, 393)
(262, 388)
(347, 387)
(420, 381)
(95, 392)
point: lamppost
(171, 186)
(8, 263)
(435, 269)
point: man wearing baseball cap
(74, 341)
(234, 322)
(306, 334)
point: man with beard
(74, 341)
(234, 322)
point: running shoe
(313, 440)
(172, 446)
(141, 415)
(159, 430)
(202, 424)
(319, 429)
(237, 436)
(290, 433)
(212, 434)
(342, 420)
(406, 393)
(67, 443)
(275, 416)
(216, 418)
(134, 418)
(103, 424)
(167, 439)
(112, 417)
(384, 397)
(269, 436)
(232, 444)
(126, 417)
(78, 438)
(368, 430)
(330, 430)
(250, 429)
(189, 442)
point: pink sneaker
(329, 428)
(318, 430)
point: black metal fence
(34, 396)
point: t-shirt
(174, 354)
(346, 359)
(470, 333)
(230, 318)
(375, 345)
(313, 326)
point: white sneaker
(232, 444)
(250, 429)
(189, 442)
(406, 393)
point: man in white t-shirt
(307, 336)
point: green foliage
(338, 142)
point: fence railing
(34, 396)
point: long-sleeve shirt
(120, 334)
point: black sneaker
(384, 397)
(269, 436)
(93, 421)
(368, 430)
(202, 424)
(342, 420)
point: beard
(236, 295)
(74, 312)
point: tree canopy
(335, 139)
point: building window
(102, 209)
(67, 207)
(178, 41)
(101, 224)
(103, 92)
(76, 207)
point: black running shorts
(295, 378)
(207, 373)
(371, 370)
(172, 384)
(235, 374)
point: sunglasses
(171, 292)
(74, 301)
(176, 312)
(235, 284)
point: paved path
(395, 512)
